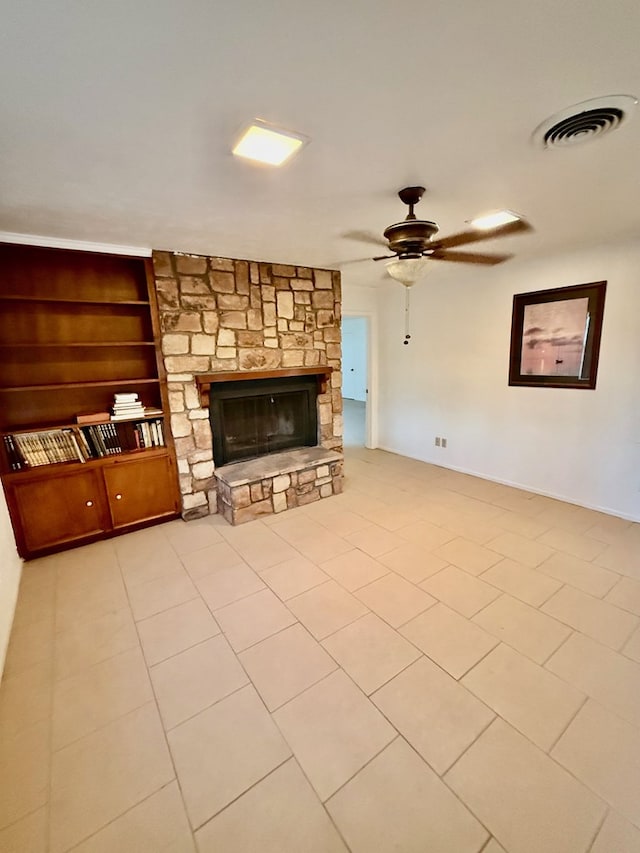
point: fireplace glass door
(256, 417)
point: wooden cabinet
(76, 328)
(139, 490)
(52, 508)
(51, 511)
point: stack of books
(126, 406)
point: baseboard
(558, 497)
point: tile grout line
(567, 770)
(160, 720)
(113, 820)
(599, 828)
(565, 729)
(441, 778)
(52, 666)
(563, 643)
(397, 736)
(238, 797)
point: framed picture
(555, 336)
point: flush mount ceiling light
(494, 220)
(584, 121)
(264, 143)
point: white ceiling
(116, 120)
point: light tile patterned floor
(428, 662)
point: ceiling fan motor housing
(411, 237)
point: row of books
(78, 444)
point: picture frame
(555, 336)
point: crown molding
(79, 245)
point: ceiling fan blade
(383, 257)
(365, 237)
(339, 264)
(475, 236)
(468, 257)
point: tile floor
(427, 662)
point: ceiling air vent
(584, 121)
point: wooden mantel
(204, 381)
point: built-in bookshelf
(76, 330)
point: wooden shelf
(7, 297)
(70, 424)
(75, 465)
(204, 381)
(86, 344)
(66, 385)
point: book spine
(90, 442)
(20, 448)
(73, 444)
(13, 456)
(82, 441)
(28, 449)
(37, 448)
(105, 438)
(41, 450)
(65, 447)
(44, 443)
(73, 448)
(115, 438)
(97, 441)
(139, 436)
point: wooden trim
(43, 472)
(162, 373)
(204, 381)
(76, 245)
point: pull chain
(407, 307)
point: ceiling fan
(412, 246)
(412, 239)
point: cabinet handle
(89, 503)
(118, 497)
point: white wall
(354, 358)
(10, 570)
(452, 381)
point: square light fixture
(265, 143)
(494, 220)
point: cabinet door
(140, 490)
(59, 508)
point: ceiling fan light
(494, 220)
(264, 143)
(407, 270)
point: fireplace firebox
(251, 418)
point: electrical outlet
(437, 441)
(443, 442)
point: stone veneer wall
(221, 314)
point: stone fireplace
(228, 326)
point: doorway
(355, 381)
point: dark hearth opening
(254, 417)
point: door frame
(371, 402)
